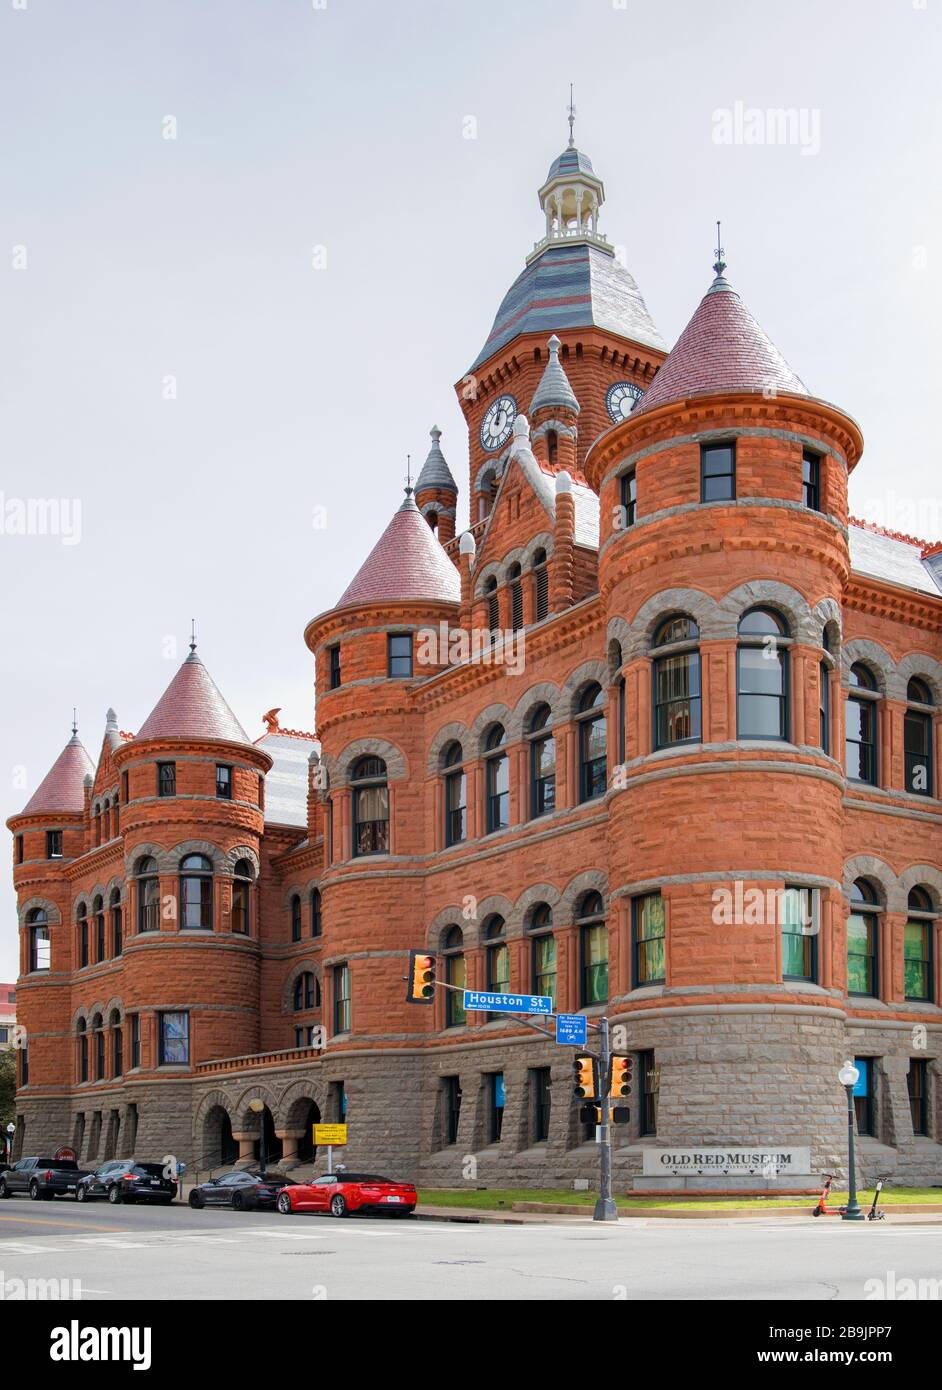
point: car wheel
(238, 1202)
(284, 1204)
(114, 1194)
(338, 1205)
(3, 1190)
(81, 1193)
(34, 1191)
(196, 1201)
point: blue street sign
(475, 999)
(572, 1029)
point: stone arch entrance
(306, 1148)
(218, 1144)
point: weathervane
(192, 634)
(74, 723)
(719, 265)
(572, 119)
(408, 475)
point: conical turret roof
(192, 706)
(722, 350)
(407, 562)
(62, 788)
(435, 471)
(554, 387)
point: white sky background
(298, 389)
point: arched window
(917, 738)
(488, 493)
(98, 1035)
(306, 992)
(860, 742)
(39, 943)
(148, 895)
(824, 707)
(98, 910)
(498, 957)
(540, 585)
(497, 777)
(117, 925)
(516, 598)
(316, 923)
(81, 913)
(542, 762)
(593, 737)
(542, 951)
(593, 950)
(455, 974)
(117, 1044)
(552, 446)
(863, 958)
(196, 893)
(918, 953)
(677, 702)
(83, 1050)
(762, 676)
(242, 876)
(456, 794)
(370, 807)
(432, 519)
(96, 816)
(493, 606)
(296, 917)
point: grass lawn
(502, 1198)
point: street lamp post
(11, 1131)
(848, 1077)
(258, 1108)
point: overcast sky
(171, 358)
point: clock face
(498, 422)
(621, 400)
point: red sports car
(343, 1193)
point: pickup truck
(41, 1178)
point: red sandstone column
(562, 562)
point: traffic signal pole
(422, 984)
(605, 1209)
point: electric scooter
(822, 1208)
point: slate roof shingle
(407, 562)
(578, 286)
(192, 706)
(722, 349)
(63, 787)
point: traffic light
(622, 1074)
(584, 1086)
(421, 979)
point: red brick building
(659, 735)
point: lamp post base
(853, 1213)
(605, 1210)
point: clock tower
(572, 286)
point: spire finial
(572, 119)
(192, 634)
(719, 265)
(74, 723)
(408, 487)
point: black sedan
(242, 1191)
(125, 1180)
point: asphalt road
(175, 1253)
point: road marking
(51, 1221)
(111, 1242)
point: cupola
(436, 492)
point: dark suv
(126, 1180)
